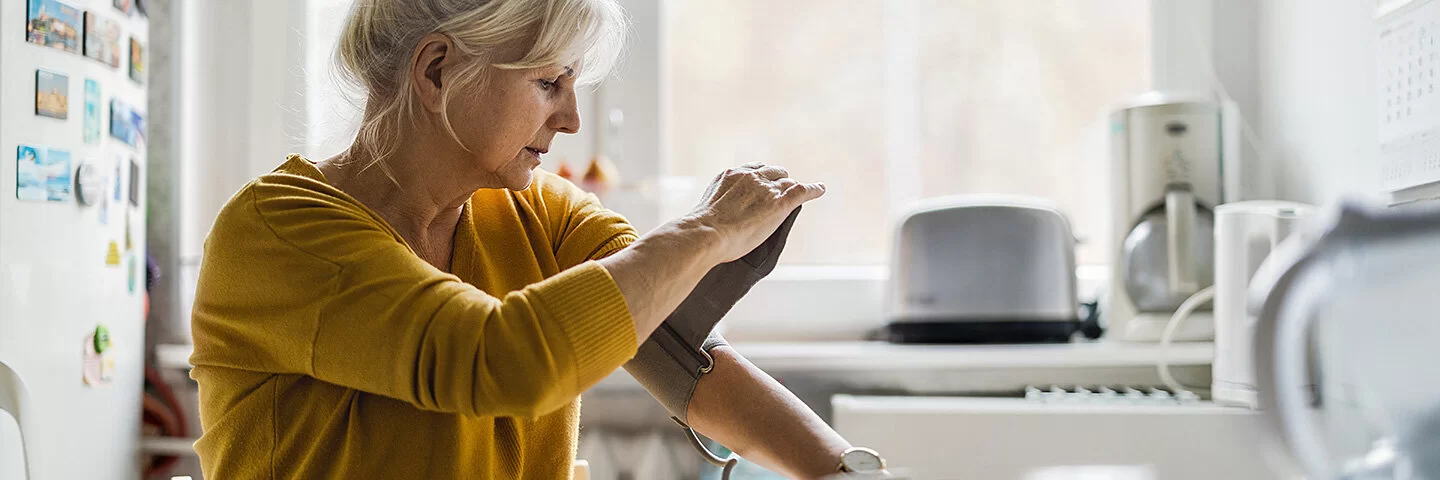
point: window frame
(842, 298)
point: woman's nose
(566, 118)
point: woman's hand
(745, 204)
(742, 207)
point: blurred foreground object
(1346, 342)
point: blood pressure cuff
(669, 364)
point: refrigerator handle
(13, 398)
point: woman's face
(510, 121)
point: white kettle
(1348, 344)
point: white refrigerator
(72, 237)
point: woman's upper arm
(310, 286)
(427, 338)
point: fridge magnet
(53, 24)
(137, 61)
(115, 187)
(92, 111)
(42, 175)
(105, 209)
(107, 368)
(134, 183)
(52, 94)
(89, 184)
(126, 6)
(137, 122)
(102, 339)
(112, 255)
(129, 242)
(121, 125)
(102, 39)
(98, 367)
(130, 268)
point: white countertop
(881, 356)
(871, 356)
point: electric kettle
(1346, 344)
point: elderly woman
(428, 305)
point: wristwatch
(861, 460)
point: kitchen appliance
(72, 272)
(983, 269)
(1346, 344)
(1166, 157)
(993, 437)
(1246, 233)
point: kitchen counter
(955, 369)
(817, 370)
(932, 369)
(870, 356)
(800, 358)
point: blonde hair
(380, 37)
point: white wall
(1303, 73)
(1315, 86)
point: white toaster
(983, 269)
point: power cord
(1187, 307)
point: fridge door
(57, 277)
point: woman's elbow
(529, 396)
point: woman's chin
(519, 180)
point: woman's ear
(431, 57)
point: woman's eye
(547, 84)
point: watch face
(862, 460)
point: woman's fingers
(803, 192)
(774, 177)
(773, 172)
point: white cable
(727, 464)
(1187, 307)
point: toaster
(982, 269)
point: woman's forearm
(744, 409)
(660, 269)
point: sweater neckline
(461, 244)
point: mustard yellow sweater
(325, 348)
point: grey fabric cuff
(669, 364)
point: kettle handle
(1288, 385)
(1292, 281)
(13, 397)
(1180, 238)
(1281, 348)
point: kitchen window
(892, 101)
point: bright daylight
(720, 239)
